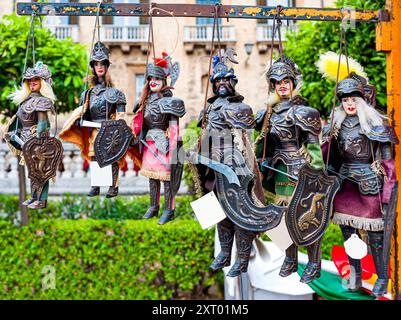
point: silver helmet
(100, 53)
(40, 70)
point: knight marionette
(290, 158)
(156, 130)
(27, 133)
(361, 154)
(96, 126)
(226, 165)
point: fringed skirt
(152, 167)
(353, 209)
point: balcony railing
(125, 33)
(203, 33)
(264, 32)
(62, 32)
(72, 179)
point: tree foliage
(66, 60)
(314, 38)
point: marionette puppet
(290, 158)
(96, 126)
(156, 130)
(226, 165)
(27, 133)
(361, 143)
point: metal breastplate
(217, 130)
(356, 151)
(152, 117)
(97, 104)
(283, 131)
(27, 119)
(214, 120)
(354, 146)
(284, 134)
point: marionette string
(216, 13)
(96, 26)
(177, 27)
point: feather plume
(216, 60)
(161, 62)
(328, 66)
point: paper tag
(208, 210)
(280, 236)
(355, 247)
(100, 177)
(91, 124)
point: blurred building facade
(127, 39)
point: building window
(271, 3)
(63, 20)
(203, 20)
(139, 83)
(108, 19)
(126, 21)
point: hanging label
(91, 124)
(208, 210)
(100, 177)
(280, 235)
(355, 247)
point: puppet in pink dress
(156, 130)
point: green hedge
(96, 259)
(77, 207)
(123, 208)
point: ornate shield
(239, 203)
(112, 141)
(311, 204)
(42, 157)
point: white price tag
(355, 247)
(280, 236)
(91, 124)
(100, 177)
(208, 210)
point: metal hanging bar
(202, 10)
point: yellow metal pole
(388, 39)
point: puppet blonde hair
(20, 95)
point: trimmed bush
(77, 207)
(99, 259)
(122, 208)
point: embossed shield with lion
(311, 204)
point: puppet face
(155, 84)
(100, 68)
(284, 88)
(34, 84)
(349, 105)
(224, 87)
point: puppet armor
(291, 120)
(227, 113)
(27, 113)
(157, 116)
(104, 100)
(356, 150)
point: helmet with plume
(40, 70)
(352, 84)
(221, 70)
(162, 68)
